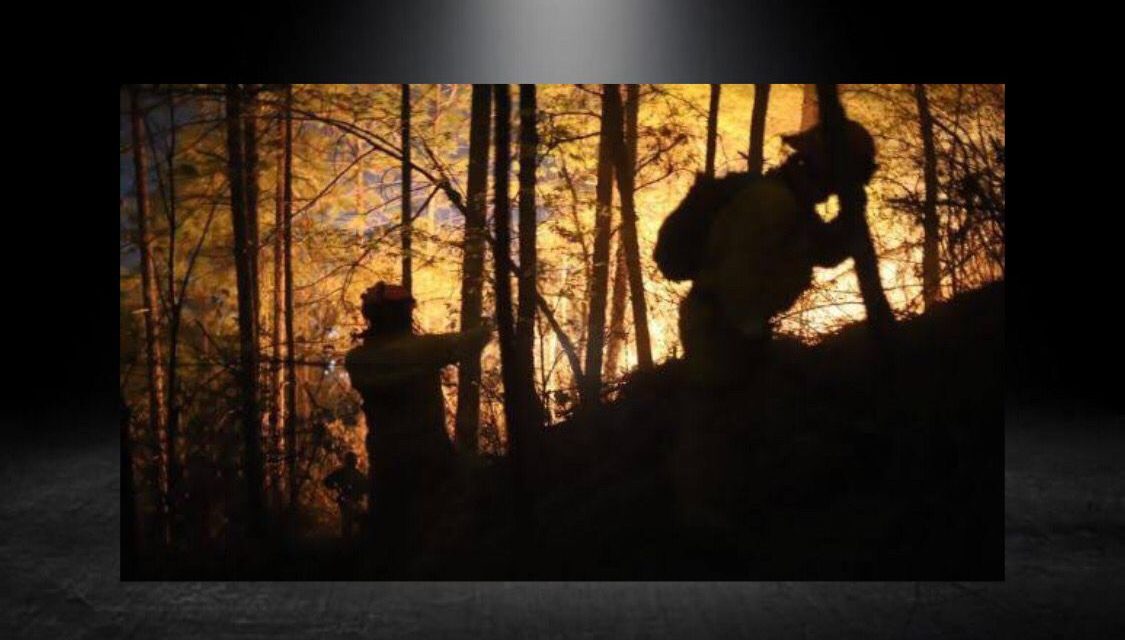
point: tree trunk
(756, 156)
(248, 347)
(515, 411)
(528, 281)
(853, 205)
(250, 173)
(712, 130)
(153, 360)
(174, 319)
(472, 267)
(251, 170)
(595, 325)
(931, 264)
(407, 209)
(618, 333)
(810, 112)
(277, 401)
(291, 415)
(501, 219)
(951, 234)
(565, 342)
(624, 171)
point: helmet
(859, 144)
(383, 292)
(387, 304)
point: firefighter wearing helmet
(398, 375)
(749, 244)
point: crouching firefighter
(749, 244)
(397, 374)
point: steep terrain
(824, 461)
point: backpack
(682, 240)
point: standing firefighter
(749, 244)
(397, 373)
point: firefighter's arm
(448, 348)
(398, 362)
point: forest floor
(1062, 524)
(817, 462)
(814, 462)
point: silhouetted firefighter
(749, 245)
(397, 373)
(350, 486)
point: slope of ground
(822, 462)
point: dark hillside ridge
(818, 465)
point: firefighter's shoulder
(764, 196)
(371, 354)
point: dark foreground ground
(815, 463)
(1065, 570)
(822, 462)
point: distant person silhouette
(749, 244)
(398, 375)
(350, 486)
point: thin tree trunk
(952, 258)
(250, 174)
(931, 263)
(277, 398)
(603, 215)
(853, 205)
(528, 280)
(153, 359)
(810, 112)
(505, 324)
(472, 267)
(250, 170)
(248, 347)
(515, 409)
(407, 212)
(624, 172)
(291, 414)
(618, 332)
(175, 316)
(515, 378)
(756, 156)
(565, 342)
(712, 130)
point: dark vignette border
(1063, 411)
